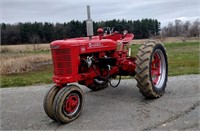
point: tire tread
(142, 69)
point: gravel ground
(121, 108)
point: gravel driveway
(121, 108)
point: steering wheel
(120, 29)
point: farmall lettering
(94, 61)
(95, 45)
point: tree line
(183, 29)
(38, 32)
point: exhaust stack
(89, 23)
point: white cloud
(187, 18)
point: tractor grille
(62, 62)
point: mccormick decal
(90, 45)
(93, 45)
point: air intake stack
(89, 23)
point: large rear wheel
(151, 69)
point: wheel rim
(71, 104)
(158, 69)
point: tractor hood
(85, 45)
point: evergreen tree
(37, 32)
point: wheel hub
(158, 69)
(71, 104)
(155, 68)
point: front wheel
(151, 69)
(48, 101)
(68, 103)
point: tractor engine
(83, 59)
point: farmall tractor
(94, 61)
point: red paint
(71, 103)
(100, 33)
(67, 55)
(100, 30)
(155, 68)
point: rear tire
(48, 101)
(68, 103)
(151, 69)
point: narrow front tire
(68, 104)
(48, 101)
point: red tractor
(93, 61)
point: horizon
(173, 22)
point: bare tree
(195, 28)
(178, 27)
(186, 27)
(182, 29)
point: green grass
(183, 59)
(30, 78)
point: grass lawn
(183, 59)
(29, 78)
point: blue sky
(13, 11)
